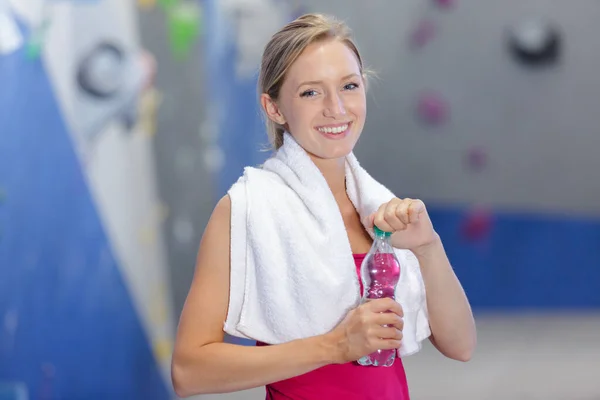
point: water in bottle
(380, 272)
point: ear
(272, 109)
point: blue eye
(309, 93)
(351, 86)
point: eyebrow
(319, 82)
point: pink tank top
(344, 381)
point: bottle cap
(379, 232)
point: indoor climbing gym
(299, 200)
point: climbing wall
(84, 302)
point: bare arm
(450, 316)
(222, 367)
(203, 363)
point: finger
(415, 209)
(382, 332)
(389, 319)
(379, 219)
(385, 305)
(399, 324)
(391, 217)
(402, 211)
(387, 344)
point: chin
(332, 153)
(340, 153)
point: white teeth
(335, 131)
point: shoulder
(219, 221)
(222, 210)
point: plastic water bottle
(380, 272)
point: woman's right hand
(376, 324)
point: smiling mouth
(334, 129)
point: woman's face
(322, 100)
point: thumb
(417, 208)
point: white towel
(292, 271)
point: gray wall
(184, 181)
(540, 128)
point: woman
(312, 85)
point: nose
(334, 106)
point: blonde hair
(286, 46)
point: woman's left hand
(409, 223)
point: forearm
(450, 316)
(224, 367)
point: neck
(334, 172)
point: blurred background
(122, 122)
